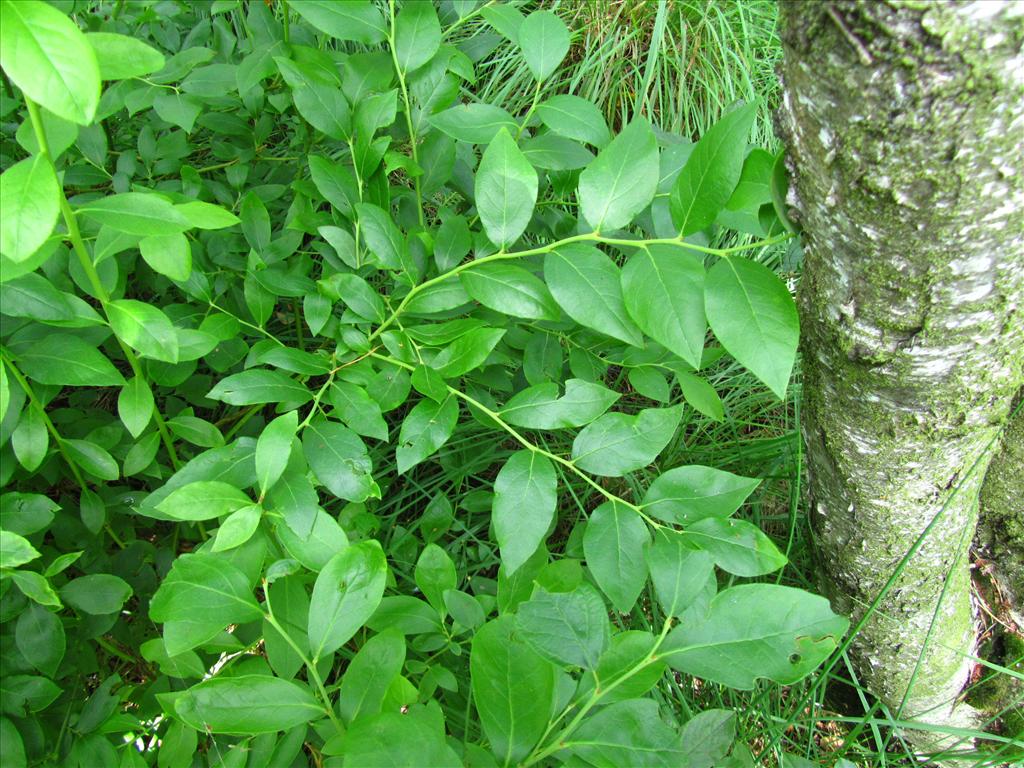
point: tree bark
(903, 122)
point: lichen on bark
(902, 122)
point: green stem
(568, 464)
(408, 112)
(317, 680)
(287, 35)
(529, 112)
(99, 291)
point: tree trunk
(903, 122)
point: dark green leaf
(339, 460)
(259, 386)
(68, 360)
(474, 123)
(568, 628)
(687, 494)
(680, 572)
(96, 593)
(427, 427)
(369, 674)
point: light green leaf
(622, 180)
(614, 542)
(409, 738)
(736, 546)
(259, 386)
(135, 405)
(44, 53)
(357, 295)
(467, 353)
(511, 290)
(15, 550)
(474, 123)
(360, 412)
(35, 588)
(587, 285)
(355, 20)
(325, 108)
(699, 394)
(506, 190)
(64, 359)
(144, 328)
(679, 572)
(425, 429)
(121, 57)
(136, 213)
(711, 172)
(575, 118)
(201, 595)
(30, 439)
(524, 506)
(335, 182)
(630, 732)
(556, 153)
(540, 407)
(687, 494)
(513, 689)
(544, 40)
(367, 677)
(752, 313)
(434, 574)
(417, 35)
(382, 236)
(347, 592)
(92, 458)
(618, 443)
(97, 594)
(238, 528)
(247, 704)
(663, 289)
(169, 255)
(339, 460)
(273, 447)
(706, 738)
(206, 215)
(567, 628)
(505, 18)
(30, 200)
(203, 500)
(756, 631)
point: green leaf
(524, 506)
(465, 609)
(179, 109)
(614, 542)
(30, 440)
(246, 705)
(92, 458)
(567, 628)
(360, 412)
(273, 447)
(121, 57)
(97, 593)
(144, 328)
(435, 574)
(30, 200)
(680, 572)
(556, 153)
(752, 313)
(622, 180)
(540, 407)
(382, 237)
(411, 738)
(663, 289)
(544, 40)
(417, 35)
(259, 386)
(630, 732)
(687, 494)
(347, 592)
(474, 123)
(513, 689)
(575, 118)
(587, 285)
(40, 638)
(36, 588)
(203, 500)
(339, 460)
(206, 215)
(357, 295)
(238, 528)
(506, 190)
(255, 222)
(367, 677)
(136, 213)
(706, 738)
(325, 108)
(200, 596)
(335, 182)
(699, 394)
(355, 20)
(626, 651)
(425, 429)
(736, 546)
(135, 405)
(511, 290)
(44, 53)
(710, 175)
(15, 550)
(618, 443)
(505, 18)
(756, 631)
(169, 255)
(467, 353)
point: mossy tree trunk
(903, 122)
